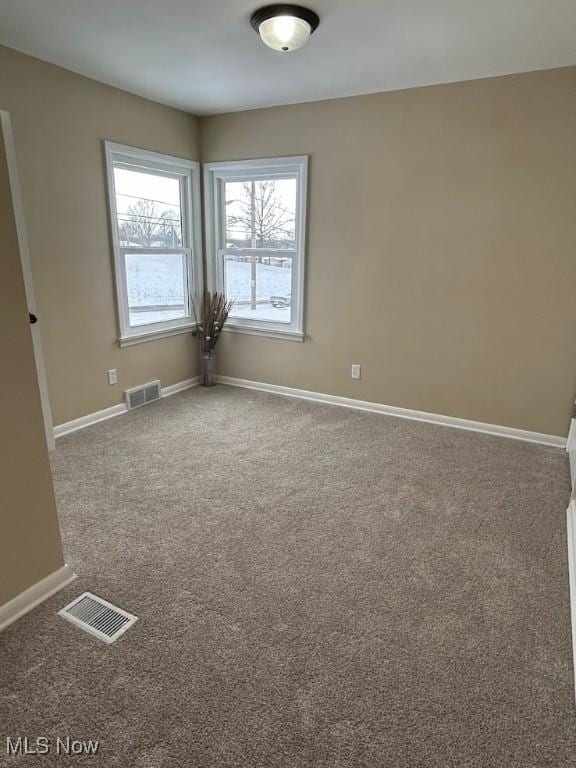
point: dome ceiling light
(284, 27)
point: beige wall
(441, 241)
(59, 121)
(30, 546)
(442, 247)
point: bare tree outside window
(259, 214)
(146, 223)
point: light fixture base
(284, 9)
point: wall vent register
(143, 395)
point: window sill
(271, 333)
(141, 338)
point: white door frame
(27, 273)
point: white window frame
(188, 173)
(215, 174)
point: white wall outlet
(356, 371)
(112, 376)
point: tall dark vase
(207, 375)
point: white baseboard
(571, 538)
(571, 448)
(88, 420)
(571, 541)
(116, 410)
(173, 389)
(34, 595)
(402, 413)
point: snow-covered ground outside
(270, 281)
(155, 281)
(156, 316)
(158, 281)
(262, 312)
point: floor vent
(98, 617)
(143, 395)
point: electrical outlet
(112, 376)
(355, 371)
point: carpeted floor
(316, 587)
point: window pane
(260, 214)
(148, 208)
(261, 287)
(156, 287)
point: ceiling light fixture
(284, 27)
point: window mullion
(145, 250)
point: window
(255, 218)
(154, 217)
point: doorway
(9, 148)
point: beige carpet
(316, 587)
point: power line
(133, 216)
(148, 199)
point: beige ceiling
(203, 56)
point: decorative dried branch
(210, 311)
